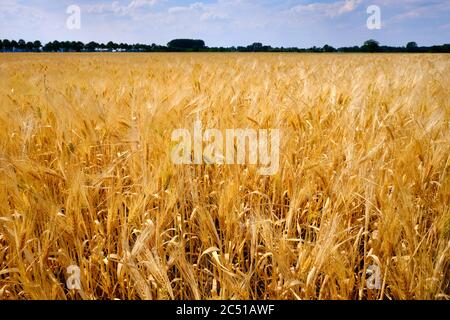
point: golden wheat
(86, 177)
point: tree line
(192, 45)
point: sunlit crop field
(86, 177)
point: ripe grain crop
(86, 177)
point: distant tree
(57, 46)
(314, 49)
(76, 46)
(184, 44)
(91, 46)
(438, 49)
(124, 46)
(29, 46)
(112, 46)
(350, 49)
(37, 45)
(65, 46)
(7, 45)
(327, 48)
(46, 47)
(371, 46)
(52, 46)
(256, 47)
(411, 47)
(445, 48)
(14, 45)
(21, 44)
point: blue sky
(301, 23)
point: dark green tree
(7, 45)
(186, 44)
(255, 47)
(14, 45)
(37, 45)
(77, 46)
(29, 46)
(91, 46)
(371, 46)
(112, 46)
(411, 46)
(327, 48)
(21, 44)
(52, 46)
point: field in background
(86, 177)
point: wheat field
(86, 177)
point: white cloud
(349, 6)
(193, 7)
(332, 9)
(141, 3)
(9, 6)
(119, 9)
(416, 9)
(15, 9)
(204, 12)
